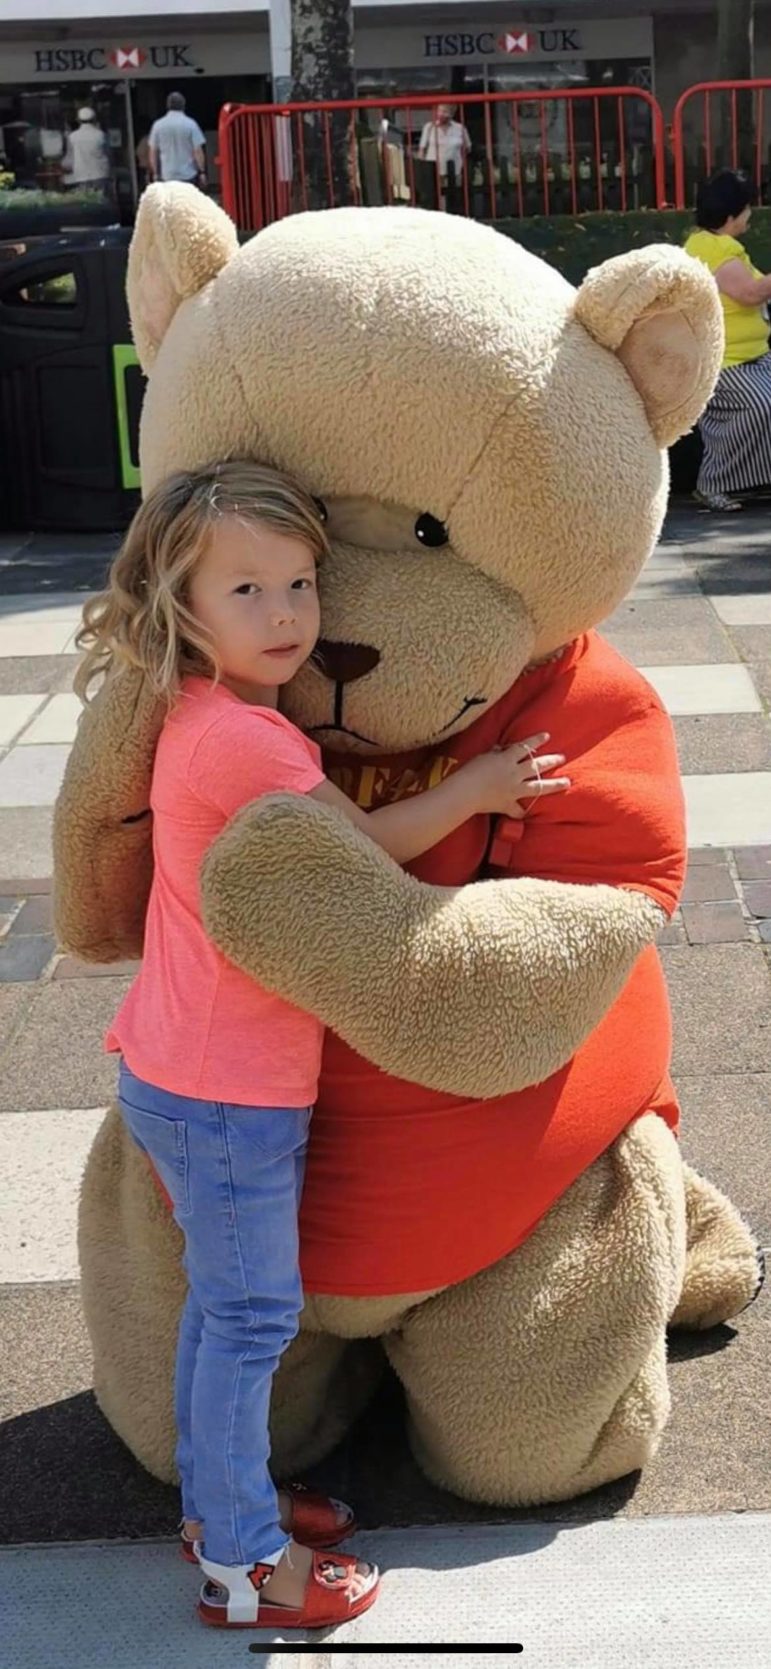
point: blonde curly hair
(143, 619)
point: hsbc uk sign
(516, 42)
(126, 60)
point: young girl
(214, 597)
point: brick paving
(699, 626)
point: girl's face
(254, 591)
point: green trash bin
(70, 384)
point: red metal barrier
(720, 124)
(566, 150)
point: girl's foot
(288, 1583)
(717, 501)
(315, 1520)
(305, 1589)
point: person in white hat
(86, 161)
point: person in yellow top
(736, 425)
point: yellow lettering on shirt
(370, 786)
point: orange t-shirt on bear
(408, 1189)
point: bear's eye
(321, 510)
(430, 531)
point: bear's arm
(102, 834)
(477, 991)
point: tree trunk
(735, 62)
(322, 69)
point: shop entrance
(35, 122)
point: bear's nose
(343, 663)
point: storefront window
(35, 124)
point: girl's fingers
(538, 790)
(545, 762)
(522, 750)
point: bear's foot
(724, 1268)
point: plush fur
(403, 363)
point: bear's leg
(133, 1287)
(545, 1375)
(724, 1267)
(322, 1385)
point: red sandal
(230, 1598)
(314, 1521)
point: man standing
(86, 161)
(176, 146)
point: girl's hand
(506, 780)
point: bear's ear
(659, 310)
(181, 241)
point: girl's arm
(495, 782)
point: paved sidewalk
(699, 625)
(687, 1593)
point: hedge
(575, 245)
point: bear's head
(488, 442)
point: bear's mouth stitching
(338, 728)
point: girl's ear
(181, 241)
(659, 311)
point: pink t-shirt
(192, 1023)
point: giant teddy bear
(496, 1197)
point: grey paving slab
(704, 689)
(715, 1454)
(717, 923)
(42, 1159)
(56, 1057)
(15, 1003)
(50, 573)
(761, 675)
(743, 567)
(753, 863)
(25, 840)
(681, 631)
(706, 882)
(723, 811)
(42, 604)
(660, 583)
(669, 557)
(61, 1366)
(48, 674)
(52, 561)
(721, 1001)
(704, 535)
(677, 1595)
(753, 642)
(95, 546)
(726, 1133)
(746, 607)
(25, 956)
(32, 776)
(724, 742)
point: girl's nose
(283, 614)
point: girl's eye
(430, 531)
(246, 590)
(302, 585)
